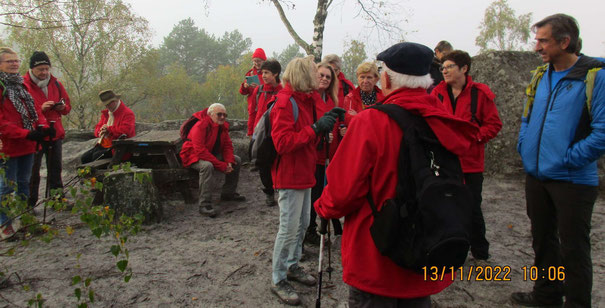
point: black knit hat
(408, 58)
(38, 58)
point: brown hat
(107, 96)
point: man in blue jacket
(560, 141)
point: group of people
(32, 107)
(333, 151)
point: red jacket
(323, 107)
(341, 94)
(294, 167)
(201, 140)
(12, 132)
(367, 161)
(123, 122)
(487, 115)
(353, 102)
(265, 97)
(54, 94)
(251, 99)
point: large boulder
(507, 73)
(131, 192)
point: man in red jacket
(209, 150)
(117, 121)
(247, 88)
(50, 95)
(457, 92)
(366, 162)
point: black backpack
(428, 223)
(186, 128)
(262, 149)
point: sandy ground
(193, 261)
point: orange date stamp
(468, 273)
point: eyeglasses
(328, 77)
(12, 61)
(221, 114)
(447, 67)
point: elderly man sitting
(208, 149)
(117, 120)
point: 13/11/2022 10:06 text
(491, 273)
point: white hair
(399, 80)
(214, 106)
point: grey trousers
(210, 177)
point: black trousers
(320, 174)
(53, 151)
(361, 299)
(560, 214)
(479, 244)
(97, 152)
(265, 178)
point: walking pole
(323, 223)
(48, 150)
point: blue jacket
(547, 142)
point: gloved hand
(51, 132)
(35, 135)
(324, 124)
(339, 113)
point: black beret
(38, 58)
(408, 58)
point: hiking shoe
(270, 200)
(286, 293)
(232, 197)
(311, 237)
(7, 231)
(207, 210)
(297, 273)
(528, 299)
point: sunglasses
(221, 114)
(328, 77)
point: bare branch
(290, 29)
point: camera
(59, 103)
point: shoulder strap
(474, 106)
(590, 79)
(58, 89)
(260, 90)
(531, 89)
(294, 109)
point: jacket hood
(442, 87)
(455, 134)
(300, 96)
(202, 115)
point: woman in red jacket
(366, 94)
(262, 95)
(345, 86)
(328, 90)
(295, 138)
(22, 129)
(258, 57)
(457, 92)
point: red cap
(259, 53)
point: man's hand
(330, 137)
(342, 131)
(246, 85)
(103, 129)
(229, 168)
(47, 105)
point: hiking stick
(329, 269)
(322, 230)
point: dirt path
(194, 261)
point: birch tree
(502, 29)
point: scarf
(42, 84)
(23, 102)
(368, 99)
